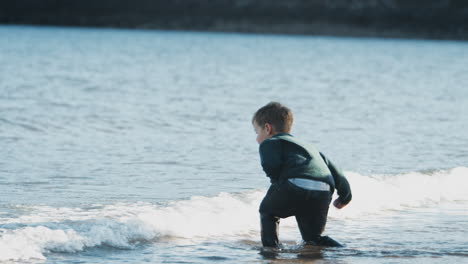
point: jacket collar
(282, 134)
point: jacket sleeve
(341, 183)
(270, 156)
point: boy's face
(262, 132)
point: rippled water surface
(136, 146)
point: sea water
(133, 146)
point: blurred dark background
(438, 19)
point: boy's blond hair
(277, 115)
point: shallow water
(136, 146)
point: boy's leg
(269, 230)
(277, 203)
(312, 216)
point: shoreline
(344, 31)
(445, 20)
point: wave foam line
(225, 216)
(382, 193)
(71, 230)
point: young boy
(302, 179)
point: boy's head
(272, 119)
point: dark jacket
(284, 157)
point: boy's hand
(338, 204)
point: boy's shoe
(269, 252)
(328, 242)
(324, 241)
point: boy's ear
(268, 128)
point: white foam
(383, 193)
(125, 225)
(225, 216)
(31, 242)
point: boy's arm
(341, 183)
(270, 156)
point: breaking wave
(33, 232)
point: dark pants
(286, 199)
